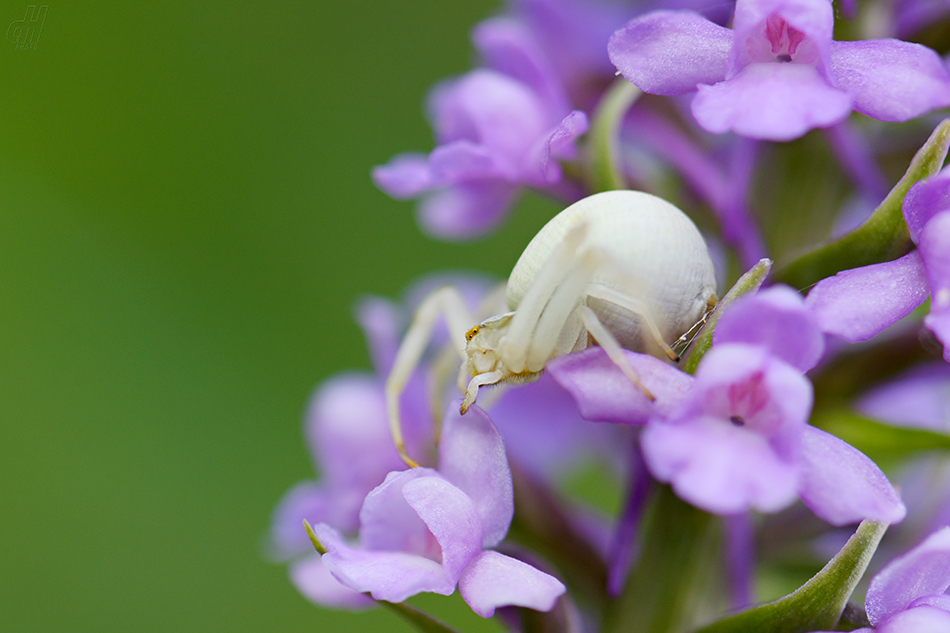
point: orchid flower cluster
(813, 399)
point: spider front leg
(445, 301)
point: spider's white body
(624, 269)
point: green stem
(678, 555)
(816, 605)
(418, 618)
(604, 138)
(883, 236)
(748, 283)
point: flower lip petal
(923, 571)
(670, 52)
(770, 101)
(495, 580)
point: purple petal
(919, 399)
(940, 601)
(815, 20)
(770, 101)
(572, 34)
(472, 457)
(462, 160)
(311, 501)
(777, 319)
(381, 322)
(312, 579)
(404, 176)
(545, 434)
(507, 47)
(934, 249)
(858, 304)
(890, 80)
(540, 169)
(918, 620)
(926, 199)
(390, 576)
(604, 394)
(939, 324)
(347, 432)
(670, 52)
(494, 580)
(923, 571)
(842, 486)
(493, 110)
(734, 443)
(389, 522)
(467, 210)
(451, 517)
(718, 467)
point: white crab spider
(622, 269)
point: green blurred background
(187, 219)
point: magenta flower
(858, 304)
(498, 129)
(425, 530)
(777, 73)
(736, 437)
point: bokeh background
(187, 219)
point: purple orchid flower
(777, 73)
(426, 530)
(860, 303)
(736, 437)
(909, 594)
(498, 129)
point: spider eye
(471, 333)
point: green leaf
(317, 545)
(603, 140)
(877, 439)
(420, 619)
(749, 282)
(883, 236)
(817, 605)
(670, 581)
